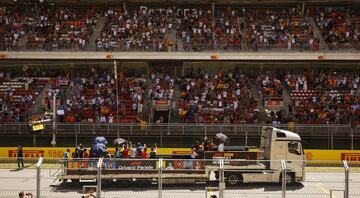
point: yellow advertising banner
(37, 127)
(58, 152)
(349, 155)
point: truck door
(295, 156)
(279, 152)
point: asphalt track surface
(317, 185)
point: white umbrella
(222, 137)
(119, 141)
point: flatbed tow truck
(240, 164)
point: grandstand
(169, 71)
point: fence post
(76, 136)
(352, 138)
(332, 138)
(346, 167)
(117, 130)
(246, 138)
(131, 128)
(160, 178)
(205, 131)
(98, 178)
(93, 129)
(221, 179)
(38, 168)
(283, 178)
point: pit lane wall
(58, 152)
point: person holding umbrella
(222, 138)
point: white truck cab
(276, 145)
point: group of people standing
(199, 148)
(129, 150)
(126, 150)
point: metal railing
(192, 129)
(245, 133)
(191, 47)
(283, 47)
(177, 129)
(174, 177)
(154, 47)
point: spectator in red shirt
(144, 154)
(125, 153)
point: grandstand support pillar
(332, 139)
(213, 8)
(205, 132)
(117, 131)
(34, 139)
(169, 117)
(161, 138)
(76, 134)
(117, 92)
(303, 10)
(352, 138)
(53, 141)
(124, 5)
(246, 138)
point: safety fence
(173, 47)
(168, 131)
(227, 178)
(191, 129)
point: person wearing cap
(20, 157)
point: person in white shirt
(102, 119)
(194, 155)
(111, 118)
(221, 147)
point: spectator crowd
(217, 98)
(324, 97)
(167, 28)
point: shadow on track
(141, 186)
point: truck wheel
(233, 179)
(289, 179)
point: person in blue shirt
(139, 149)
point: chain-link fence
(16, 175)
(172, 178)
(354, 178)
